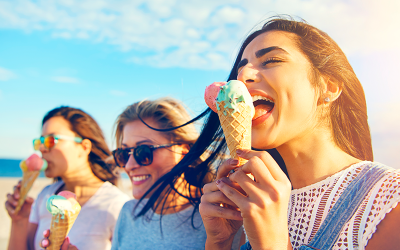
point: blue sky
(104, 55)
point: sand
(6, 186)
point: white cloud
(65, 79)
(165, 28)
(118, 93)
(6, 74)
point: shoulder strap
(346, 206)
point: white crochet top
(310, 205)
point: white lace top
(310, 205)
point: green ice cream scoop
(233, 93)
(57, 204)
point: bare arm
(20, 235)
(387, 232)
(22, 232)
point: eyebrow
(264, 51)
(259, 54)
(139, 143)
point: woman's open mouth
(263, 108)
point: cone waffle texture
(60, 226)
(28, 178)
(236, 127)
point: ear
(87, 146)
(331, 91)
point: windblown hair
(87, 128)
(347, 116)
(171, 118)
(166, 113)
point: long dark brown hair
(87, 128)
(348, 113)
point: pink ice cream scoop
(34, 163)
(211, 93)
(69, 196)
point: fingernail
(45, 243)
(239, 151)
(46, 233)
(218, 182)
(234, 162)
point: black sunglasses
(143, 154)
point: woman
(310, 107)
(164, 213)
(75, 149)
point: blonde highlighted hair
(166, 112)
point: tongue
(262, 109)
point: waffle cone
(237, 128)
(59, 228)
(28, 178)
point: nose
(131, 164)
(42, 148)
(248, 74)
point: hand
(12, 201)
(264, 204)
(65, 246)
(220, 215)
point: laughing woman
(312, 109)
(164, 213)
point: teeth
(258, 97)
(140, 178)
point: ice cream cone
(237, 128)
(60, 226)
(28, 178)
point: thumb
(65, 245)
(29, 200)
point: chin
(260, 144)
(137, 196)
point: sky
(102, 56)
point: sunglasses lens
(121, 156)
(36, 144)
(143, 155)
(49, 142)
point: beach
(6, 186)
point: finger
(217, 198)
(10, 209)
(46, 233)
(65, 244)
(232, 184)
(226, 167)
(273, 168)
(12, 200)
(210, 187)
(29, 200)
(16, 193)
(244, 181)
(231, 193)
(45, 243)
(208, 210)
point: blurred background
(101, 56)
(104, 55)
